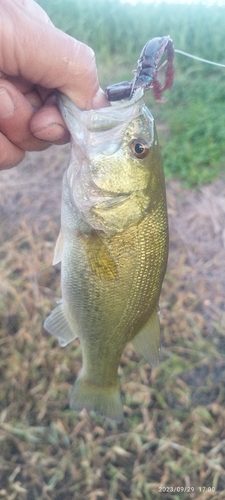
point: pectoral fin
(58, 325)
(58, 249)
(100, 260)
(147, 341)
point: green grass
(193, 149)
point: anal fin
(58, 325)
(147, 341)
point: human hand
(35, 59)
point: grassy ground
(173, 434)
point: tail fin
(103, 400)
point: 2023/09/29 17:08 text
(185, 489)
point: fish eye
(139, 147)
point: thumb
(45, 56)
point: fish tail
(103, 400)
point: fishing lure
(146, 71)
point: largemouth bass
(112, 246)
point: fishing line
(199, 58)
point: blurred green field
(112, 27)
(194, 112)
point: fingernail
(52, 133)
(6, 104)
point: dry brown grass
(174, 430)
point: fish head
(115, 172)
(120, 165)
